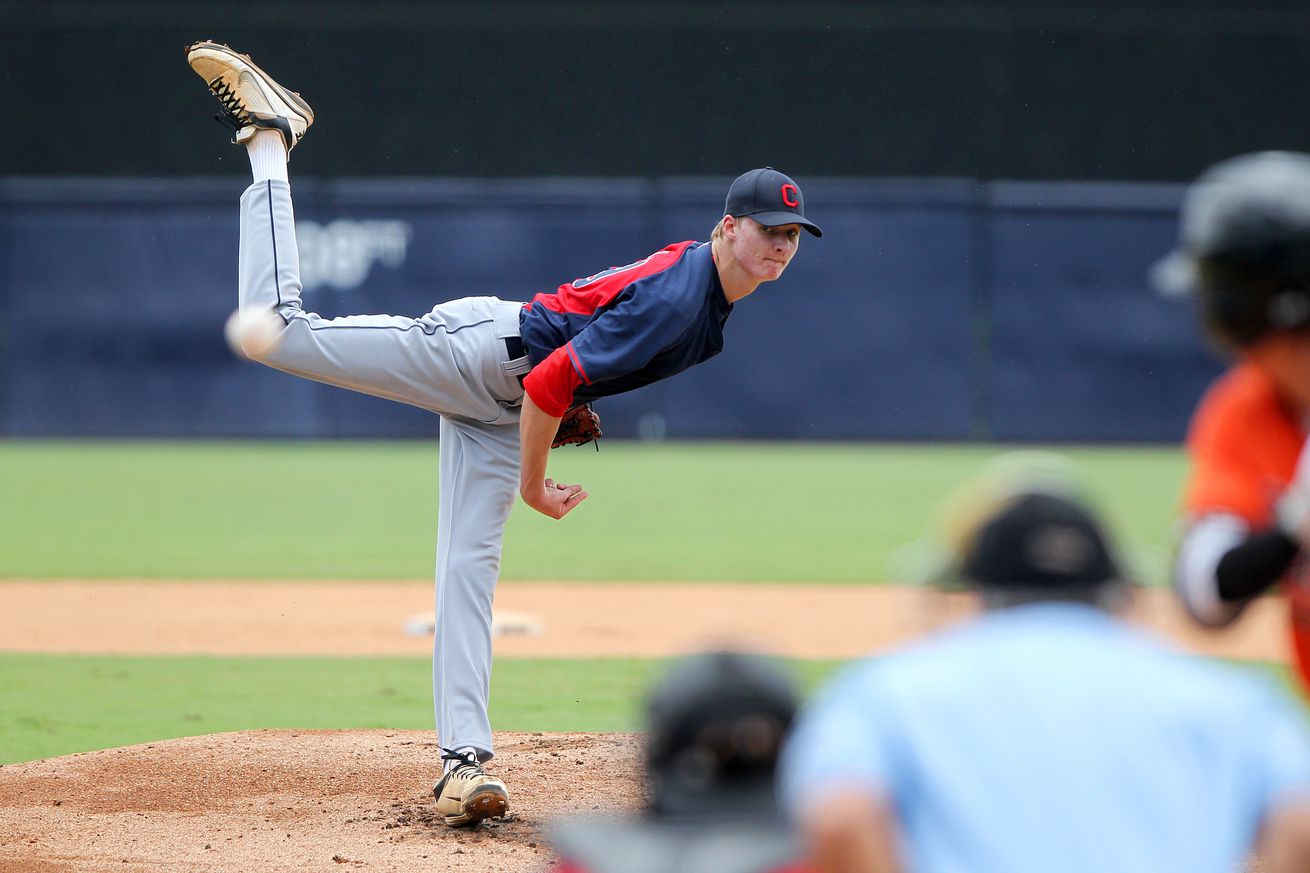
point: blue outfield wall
(946, 309)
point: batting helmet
(1244, 249)
(715, 726)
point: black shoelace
(464, 760)
(232, 116)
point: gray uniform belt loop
(507, 329)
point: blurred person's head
(1244, 255)
(1023, 533)
(715, 726)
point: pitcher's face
(762, 251)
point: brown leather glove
(579, 426)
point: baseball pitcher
(501, 374)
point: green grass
(792, 512)
(725, 511)
(61, 704)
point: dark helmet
(1244, 247)
(1042, 544)
(715, 726)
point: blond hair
(717, 233)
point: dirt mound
(298, 800)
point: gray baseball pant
(452, 361)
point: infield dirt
(577, 620)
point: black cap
(770, 198)
(1040, 543)
(715, 726)
(716, 722)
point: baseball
(252, 332)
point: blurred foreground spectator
(715, 727)
(1047, 734)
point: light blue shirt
(1054, 738)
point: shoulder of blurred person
(645, 844)
(1244, 442)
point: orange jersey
(1245, 442)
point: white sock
(463, 750)
(268, 156)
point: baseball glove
(579, 426)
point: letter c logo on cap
(789, 195)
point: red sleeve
(552, 382)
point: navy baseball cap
(770, 198)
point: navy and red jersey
(624, 327)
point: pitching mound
(298, 800)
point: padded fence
(945, 310)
